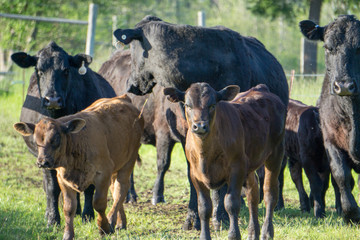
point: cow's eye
(40, 73)
(328, 48)
(212, 108)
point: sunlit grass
(22, 200)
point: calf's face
(342, 52)
(50, 138)
(200, 104)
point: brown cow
(99, 146)
(226, 142)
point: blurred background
(273, 22)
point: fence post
(114, 27)
(90, 39)
(201, 18)
(302, 42)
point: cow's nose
(201, 127)
(344, 88)
(53, 102)
(42, 163)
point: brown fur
(101, 153)
(243, 135)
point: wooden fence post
(201, 18)
(90, 39)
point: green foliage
(276, 8)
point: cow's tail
(138, 160)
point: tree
(289, 9)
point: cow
(339, 103)
(61, 84)
(226, 142)
(178, 55)
(98, 146)
(117, 71)
(304, 149)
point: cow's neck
(346, 109)
(206, 150)
(351, 107)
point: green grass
(22, 199)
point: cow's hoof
(52, 220)
(216, 225)
(88, 216)
(157, 199)
(131, 198)
(319, 212)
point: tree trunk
(310, 47)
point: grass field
(22, 199)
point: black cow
(154, 109)
(339, 103)
(178, 55)
(61, 85)
(304, 149)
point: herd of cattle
(182, 85)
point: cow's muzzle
(200, 127)
(345, 88)
(53, 102)
(45, 163)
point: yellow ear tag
(82, 69)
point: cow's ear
(228, 93)
(125, 36)
(24, 60)
(74, 125)
(311, 30)
(77, 60)
(25, 129)
(174, 95)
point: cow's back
(262, 116)
(114, 126)
(170, 54)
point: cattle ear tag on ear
(82, 69)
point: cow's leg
(324, 176)
(252, 195)
(120, 187)
(337, 196)
(316, 186)
(52, 190)
(261, 175)
(280, 205)
(131, 196)
(271, 189)
(296, 175)
(219, 212)
(342, 175)
(164, 146)
(88, 211)
(192, 218)
(70, 204)
(232, 201)
(204, 208)
(100, 203)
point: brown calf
(226, 142)
(99, 146)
